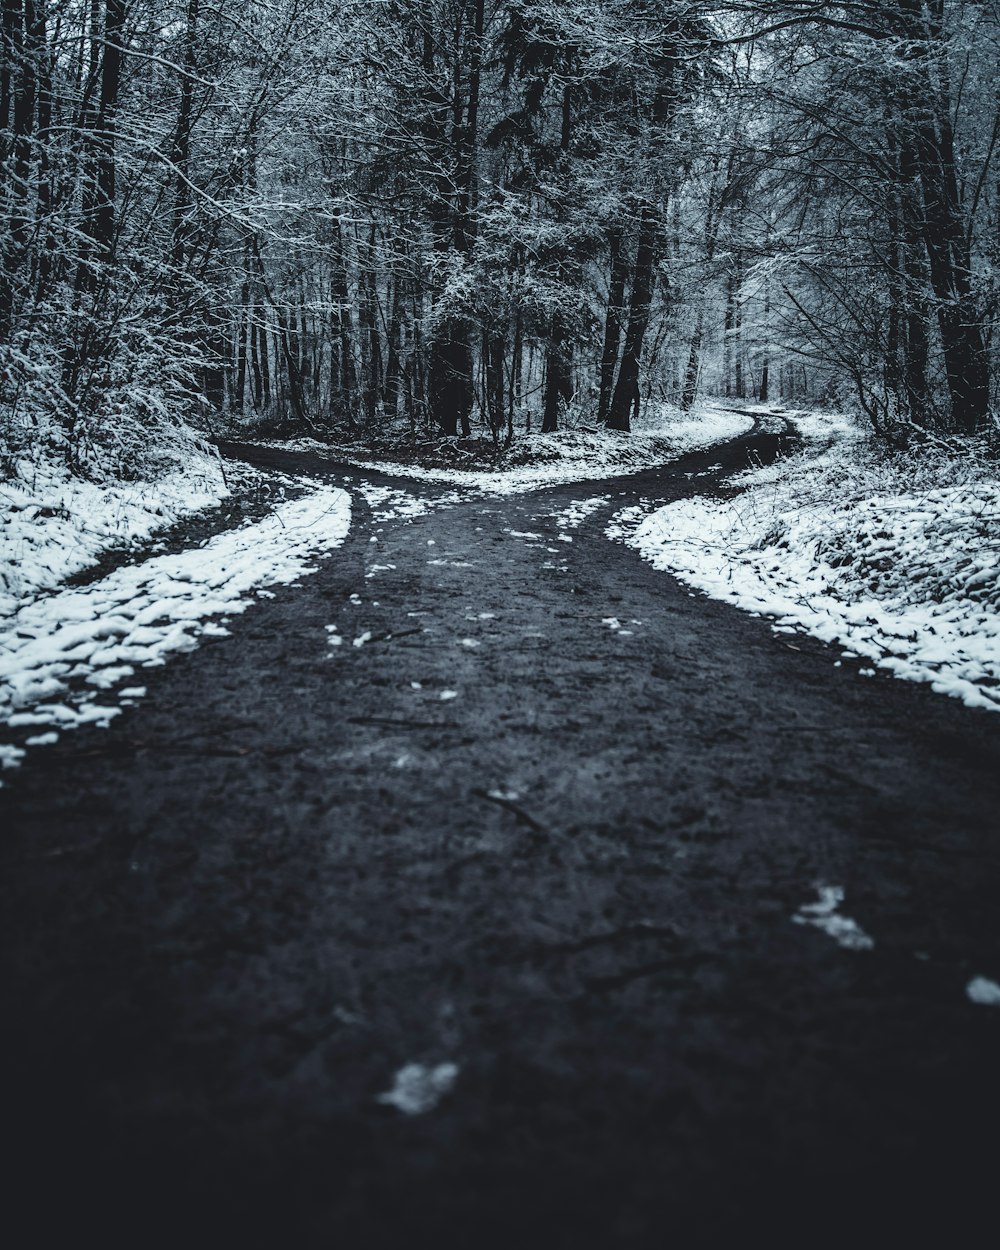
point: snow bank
(571, 455)
(53, 525)
(873, 554)
(139, 615)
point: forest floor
(487, 886)
(576, 452)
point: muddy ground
(230, 918)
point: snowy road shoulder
(901, 571)
(55, 647)
(53, 525)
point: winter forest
(456, 216)
(500, 623)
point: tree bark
(558, 383)
(613, 321)
(627, 385)
(690, 389)
(111, 65)
(644, 274)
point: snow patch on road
(140, 615)
(389, 504)
(823, 915)
(623, 525)
(983, 991)
(418, 1088)
(573, 516)
(11, 756)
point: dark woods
(395, 216)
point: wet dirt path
(549, 821)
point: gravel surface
(235, 918)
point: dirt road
(551, 820)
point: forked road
(233, 917)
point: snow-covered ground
(70, 658)
(570, 455)
(53, 525)
(897, 560)
(388, 504)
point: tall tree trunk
(286, 351)
(627, 385)
(180, 153)
(728, 331)
(262, 358)
(690, 389)
(449, 382)
(49, 252)
(516, 372)
(242, 343)
(765, 368)
(371, 342)
(343, 346)
(111, 65)
(558, 382)
(22, 81)
(392, 361)
(451, 363)
(614, 321)
(946, 232)
(494, 356)
(626, 391)
(10, 55)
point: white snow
(983, 991)
(418, 1088)
(389, 504)
(574, 515)
(571, 455)
(10, 756)
(448, 694)
(141, 614)
(623, 525)
(53, 525)
(823, 915)
(898, 561)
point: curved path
(230, 919)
